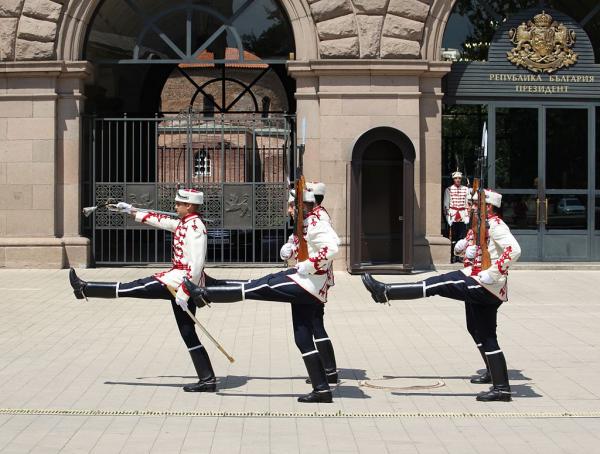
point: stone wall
(28, 29)
(388, 29)
(370, 28)
(39, 165)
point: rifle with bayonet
(479, 209)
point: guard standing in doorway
(189, 254)
(456, 210)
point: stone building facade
(358, 65)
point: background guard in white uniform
(456, 211)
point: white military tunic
(504, 250)
(323, 244)
(189, 249)
(456, 204)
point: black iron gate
(240, 162)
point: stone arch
(434, 29)
(56, 29)
(370, 28)
(71, 38)
(28, 29)
(365, 29)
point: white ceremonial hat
(317, 187)
(192, 196)
(493, 198)
(308, 197)
(456, 174)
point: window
(202, 163)
(266, 106)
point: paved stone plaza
(85, 377)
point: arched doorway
(382, 192)
(178, 100)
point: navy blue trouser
(481, 306)
(305, 307)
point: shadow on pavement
(339, 391)
(237, 381)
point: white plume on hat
(316, 187)
(457, 174)
(493, 198)
(192, 196)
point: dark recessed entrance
(382, 202)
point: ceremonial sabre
(87, 211)
(203, 329)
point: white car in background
(570, 205)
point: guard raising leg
(189, 253)
(483, 291)
(304, 286)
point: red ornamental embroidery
(502, 262)
(194, 226)
(321, 256)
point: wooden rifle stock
(478, 224)
(299, 221)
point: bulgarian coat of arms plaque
(542, 45)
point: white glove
(485, 278)
(286, 252)
(183, 304)
(124, 207)
(304, 267)
(460, 246)
(471, 252)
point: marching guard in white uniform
(305, 286)
(189, 253)
(483, 291)
(288, 252)
(456, 209)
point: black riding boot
(83, 289)
(325, 348)
(321, 392)
(500, 389)
(213, 294)
(382, 293)
(206, 376)
(485, 377)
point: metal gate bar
(240, 162)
